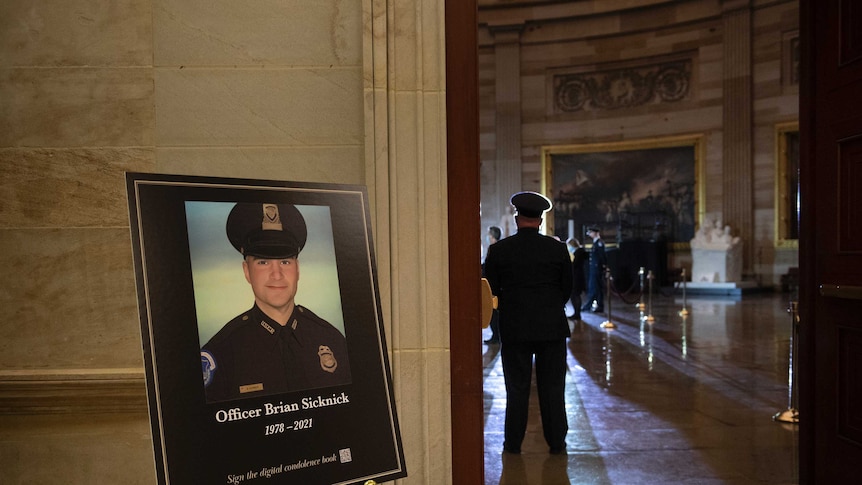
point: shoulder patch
(208, 365)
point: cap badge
(327, 359)
(271, 219)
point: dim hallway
(679, 400)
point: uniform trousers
(550, 358)
(594, 290)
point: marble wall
(333, 91)
(608, 37)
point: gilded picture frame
(787, 185)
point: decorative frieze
(622, 88)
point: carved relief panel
(624, 86)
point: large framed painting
(255, 374)
(634, 190)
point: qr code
(344, 455)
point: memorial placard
(255, 374)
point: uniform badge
(271, 218)
(208, 364)
(268, 327)
(327, 359)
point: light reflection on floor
(682, 400)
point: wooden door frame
(462, 153)
(462, 128)
(807, 232)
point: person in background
(531, 275)
(579, 278)
(492, 237)
(598, 262)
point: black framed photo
(262, 333)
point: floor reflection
(682, 399)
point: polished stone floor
(681, 400)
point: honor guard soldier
(531, 275)
(276, 346)
(598, 263)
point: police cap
(530, 204)
(266, 230)
(593, 229)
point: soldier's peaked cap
(530, 204)
(266, 230)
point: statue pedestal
(716, 265)
(736, 289)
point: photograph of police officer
(277, 345)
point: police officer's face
(273, 282)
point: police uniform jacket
(598, 257)
(579, 278)
(531, 275)
(254, 355)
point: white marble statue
(716, 254)
(712, 236)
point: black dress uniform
(579, 279)
(254, 355)
(531, 274)
(598, 262)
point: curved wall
(738, 88)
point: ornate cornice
(667, 82)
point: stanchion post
(684, 310)
(608, 323)
(641, 305)
(649, 317)
(791, 414)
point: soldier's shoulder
(239, 323)
(307, 316)
(508, 244)
(555, 239)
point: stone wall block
(76, 33)
(69, 299)
(292, 107)
(264, 33)
(77, 187)
(76, 107)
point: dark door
(830, 331)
